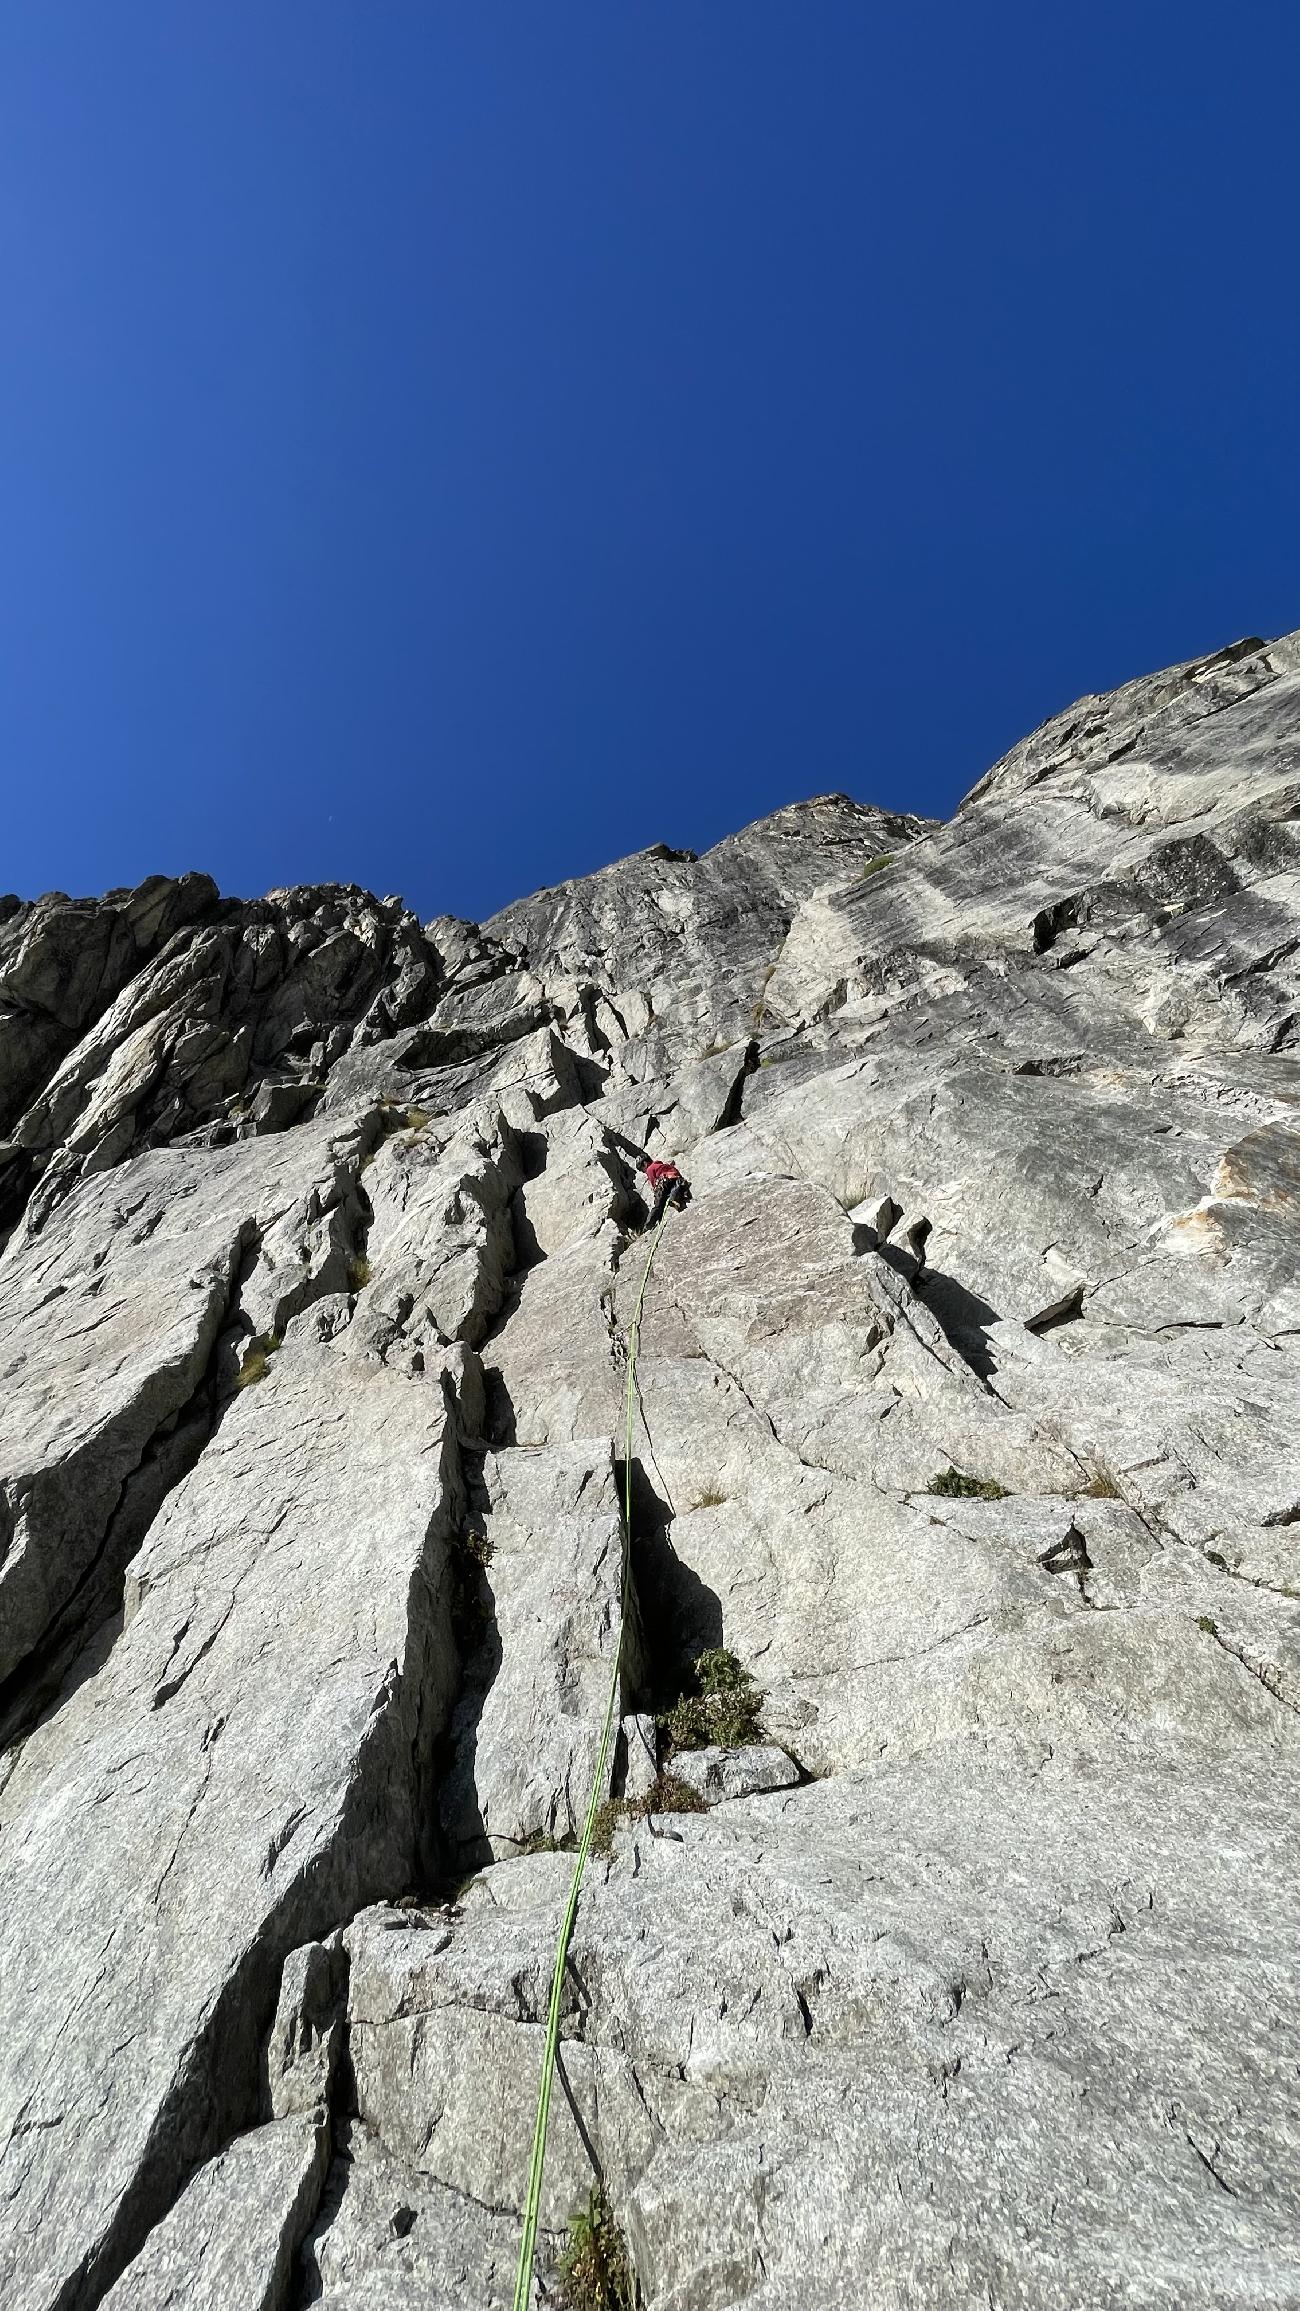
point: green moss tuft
(666, 1794)
(669, 1795)
(955, 1487)
(260, 1349)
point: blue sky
(445, 446)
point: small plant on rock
(260, 1349)
(358, 1273)
(874, 866)
(1207, 1625)
(595, 2274)
(721, 1712)
(666, 1794)
(954, 1486)
(710, 1498)
(718, 1671)
(608, 1817)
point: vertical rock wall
(958, 1970)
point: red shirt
(657, 1171)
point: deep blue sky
(445, 444)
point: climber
(666, 1187)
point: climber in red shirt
(666, 1187)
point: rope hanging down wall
(537, 2161)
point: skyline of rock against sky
(961, 1971)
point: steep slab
(108, 1321)
(249, 1764)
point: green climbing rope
(537, 2162)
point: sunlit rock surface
(965, 1974)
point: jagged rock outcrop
(946, 1957)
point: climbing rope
(537, 2162)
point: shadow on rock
(964, 1318)
(680, 1616)
(464, 1843)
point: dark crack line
(1260, 1675)
(173, 1685)
(195, 1803)
(1208, 2164)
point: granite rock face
(938, 1948)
